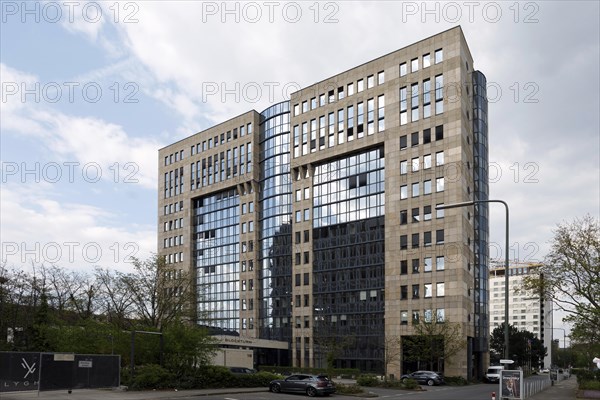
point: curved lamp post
(506, 291)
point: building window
(440, 289)
(403, 242)
(415, 291)
(439, 158)
(403, 217)
(313, 103)
(351, 89)
(427, 187)
(403, 69)
(340, 93)
(414, 164)
(360, 85)
(370, 81)
(403, 292)
(403, 107)
(439, 236)
(415, 265)
(306, 258)
(415, 215)
(427, 263)
(439, 184)
(439, 213)
(427, 238)
(439, 132)
(403, 167)
(414, 139)
(439, 94)
(428, 287)
(428, 316)
(415, 317)
(306, 236)
(380, 77)
(415, 189)
(297, 238)
(403, 267)
(414, 65)
(403, 192)
(381, 113)
(440, 315)
(297, 279)
(427, 161)
(414, 102)
(322, 100)
(306, 279)
(298, 216)
(426, 60)
(403, 142)
(404, 317)
(439, 56)
(426, 98)
(427, 213)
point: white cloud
(38, 228)
(86, 140)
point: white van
(493, 373)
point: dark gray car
(429, 378)
(312, 385)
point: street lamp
(506, 291)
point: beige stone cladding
(312, 106)
(176, 207)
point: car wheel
(430, 382)
(311, 392)
(275, 388)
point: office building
(314, 222)
(528, 310)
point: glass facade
(275, 243)
(216, 229)
(349, 258)
(480, 218)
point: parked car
(241, 370)
(312, 385)
(429, 378)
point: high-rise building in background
(314, 222)
(528, 310)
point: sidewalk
(108, 394)
(563, 390)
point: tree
(571, 276)
(159, 295)
(392, 352)
(434, 342)
(526, 348)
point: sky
(91, 90)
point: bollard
(493, 395)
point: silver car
(312, 385)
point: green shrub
(393, 384)
(285, 371)
(348, 389)
(589, 385)
(151, 376)
(367, 380)
(587, 375)
(455, 381)
(410, 384)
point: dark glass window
(427, 135)
(403, 217)
(403, 242)
(439, 132)
(403, 267)
(403, 292)
(439, 236)
(414, 139)
(403, 142)
(415, 240)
